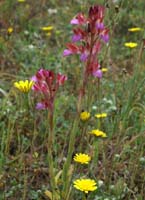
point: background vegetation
(121, 161)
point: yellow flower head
(98, 115)
(104, 114)
(104, 69)
(47, 28)
(98, 133)
(85, 185)
(10, 30)
(84, 116)
(24, 86)
(21, 1)
(131, 44)
(135, 29)
(82, 158)
(101, 115)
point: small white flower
(100, 183)
(52, 11)
(94, 107)
(112, 187)
(31, 46)
(117, 156)
(26, 32)
(142, 159)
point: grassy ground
(119, 166)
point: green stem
(84, 197)
(66, 173)
(66, 176)
(50, 154)
(96, 152)
(25, 185)
(99, 95)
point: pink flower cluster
(47, 83)
(91, 33)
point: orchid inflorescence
(47, 83)
(91, 33)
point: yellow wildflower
(84, 116)
(82, 158)
(104, 69)
(104, 114)
(101, 115)
(21, 1)
(85, 185)
(98, 115)
(135, 29)
(47, 28)
(10, 30)
(98, 133)
(24, 86)
(131, 44)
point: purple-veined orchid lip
(83, 57)
(100, 25)
(67, 52)
(76, 38)
(41, 106)
(105, 38)
(74, 21)
(98, 73)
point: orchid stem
(50, 154)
